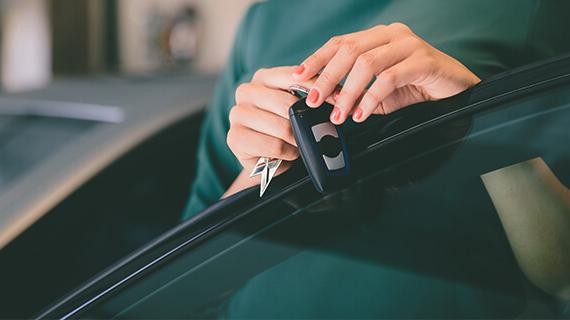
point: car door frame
(507, 86)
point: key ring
(298, 91)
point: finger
(404, 73)
(367, 39)
(272, 100)
(281, 78)
(263, 121)
(258, 145)
(276, 77)
(364, 70)
(331, 76)
(336, 94)
(318, 60)
(340, 64)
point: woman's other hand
(404, 69)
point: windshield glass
(469, 219)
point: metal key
(268, 167)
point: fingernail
(299, 69)
(335, 115)
(313, 96)
(357, 114)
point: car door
(425, 229)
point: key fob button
(334, 163)
(324, 129)
(326, 137)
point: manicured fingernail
(335, 115)
(313, 96)
(299, 69)
(357, 115)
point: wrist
(241, 182)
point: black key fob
(321, 144)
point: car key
(321, 143)
(266, 168)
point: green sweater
(488, 36)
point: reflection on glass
(534, 207)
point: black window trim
(510, 85)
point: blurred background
(101, 104)
(44, 39)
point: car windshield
(466, 219)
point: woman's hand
(259, 122)
(405, 70)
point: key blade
(259, 167)
(268, 174)
(264, 176)
(273, 166)
(264, 182)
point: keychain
(321, 143)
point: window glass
(426, 231)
